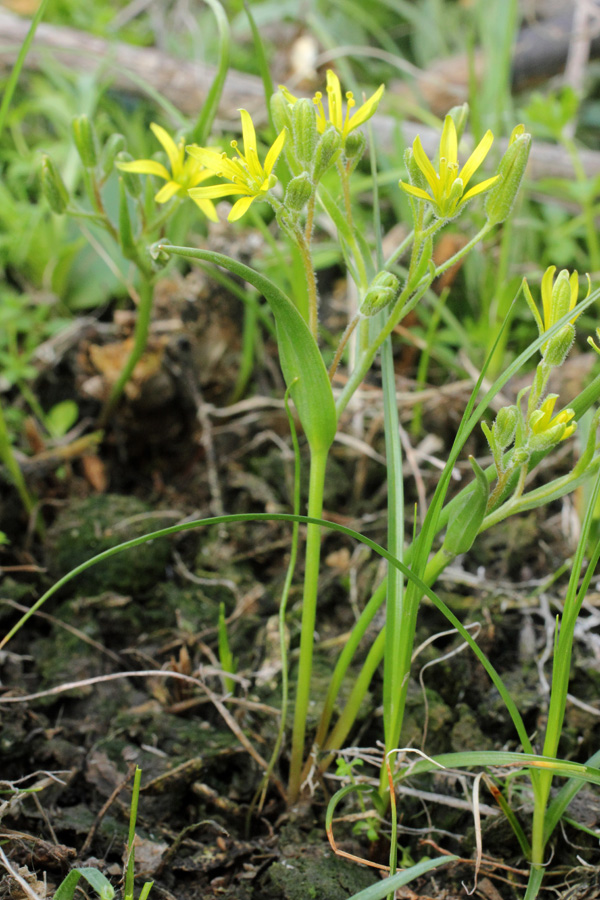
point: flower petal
(207, 208)
(167, 191)
(424, 164)
(216, 162)
(274, 151)
(449, 142)
(416, 192)
(145, 167)
(212, 191)
(477, 156)
(334, 96)
(479, 188)
(174, 153)
(547, 283)
(239, 208)
(365, 111)
(250, 144)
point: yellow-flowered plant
(247, 175)
(558, 297)
(184, 174)
(343, 124)
(448, 186)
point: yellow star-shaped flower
(246, 174)
(184, 174)
(447, 186)
(541, 420)
(343, 124)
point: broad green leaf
(301, 362)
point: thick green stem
(318, 464)
(311, 283)
(140, 340)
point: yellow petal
(547, 283)
(448, 142)
(416, 192)
(170, 147)
(334, 94)
(216, 162)
(145, 167)
(199, 176)
(288, 96)
(274, 151)
(249, 136)
(477, 156)
(574, 282)
(207, 208)
(167, 191)
(424, 164)
(479, 188)
(212, 191)
(239, 208)
(365, 111)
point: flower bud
(299, 192)
(415, 175)
(500, 199)
(465, 524)
(85, 141)
(53, 187)
(459, 115)
(556, 350)
(327, 152)
(505, 426)
(354, 145)
(380, 293)
(114, 145)
(304, 131)
(131, 180)
(281, 111)
(561, 296)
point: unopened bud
(505, 426)
(53, 187)
(500, 199)
(327, 152)
(114, 145)
(380, 293)
(131, 180)
(354, 145)
(85, 141)
(561, 295)
(299, 192)
(459, 115)
(281, 111)
(464, 526)
(556, 350)
(304, 131)
(415, 176)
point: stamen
(233, 145)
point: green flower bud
(380, 293)
(53, 187)
(304, 131)
(556, 350)
(505, 426)
(281, 111)
(520, 457)
(415, 175)
(114, 145)
(561, 295)
(465, 524)
(460, 115)
(299, 192)
(354, 145)
(500, 199)
(131, 180)
(327, 152)
(85, 141)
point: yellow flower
(246, 174)
(447, 187)
(558, 297)
(343, 124)
(541, 420)
(184, 174)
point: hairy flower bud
(380, 293)
(281, 111)
(53, 187)
(85, 141)
(304, 131)
(299, 192)
(327, 152)
(505, 426)
(556, 350)
(500, 200)
(354, 145)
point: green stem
(140, 340)
(342, 345)
(318, 464)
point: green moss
(325, 878)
